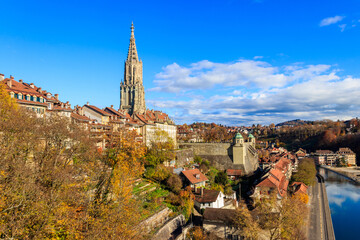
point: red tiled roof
(114, 112)
(31, 102)
(208, 196)
(219, 214)
(80, 118)
(233, 172)
(194, 176)
(299, 187)
(96, 109)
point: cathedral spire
(132, 53)
(132, 94)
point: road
(320, 227)
(316, 215)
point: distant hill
(292, 123)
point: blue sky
(232, 62)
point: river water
(344, 201)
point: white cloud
(331, 20)
(247, 91)
(342, 27)
(206, 74)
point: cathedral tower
(132, 94)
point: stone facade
(132, 94)
(238, 155)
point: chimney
(9, 83)
(87, 103)
(202, 191)
(2, 76)
(56, 96)
(112, 106)
(197, 176)
(20, 81)
(39, 90)
(32, 85)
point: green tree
(161, 149)
(222, 178)
(306, 172)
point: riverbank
(352, 173)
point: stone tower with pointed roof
(132, 94)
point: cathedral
(132, 94)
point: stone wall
(221, 149)
(165, 232)
(218, 154)
(184, 156)
(156, 220)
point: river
(344, 201)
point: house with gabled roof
(208, 198)
(95, 113)
(33, 98)
(194, 178)
(273, 181)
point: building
(273, 181)
(208, 198)
(325, 157)
(244, 154)
(132, 99)
(299, 187)
(348, 155)
(219, 221)
(95, 113)
(194, 178)
(132, 94)
(234, 174)
(33, 98)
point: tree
(174, 183)
(54, 184)
(161, 149)
(221, 178)
(306, 172)
(244, 221)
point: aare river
(344, 201)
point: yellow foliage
(303, 197)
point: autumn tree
(244, 221)
(161, 149)
(306, 172)
(54, 184)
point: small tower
(238, 139)
(238, 149)
(252, 139)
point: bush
(221, 178)
(174, 183)
(197, 159)
(160, 173)
(173, 199)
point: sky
(234, 62)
